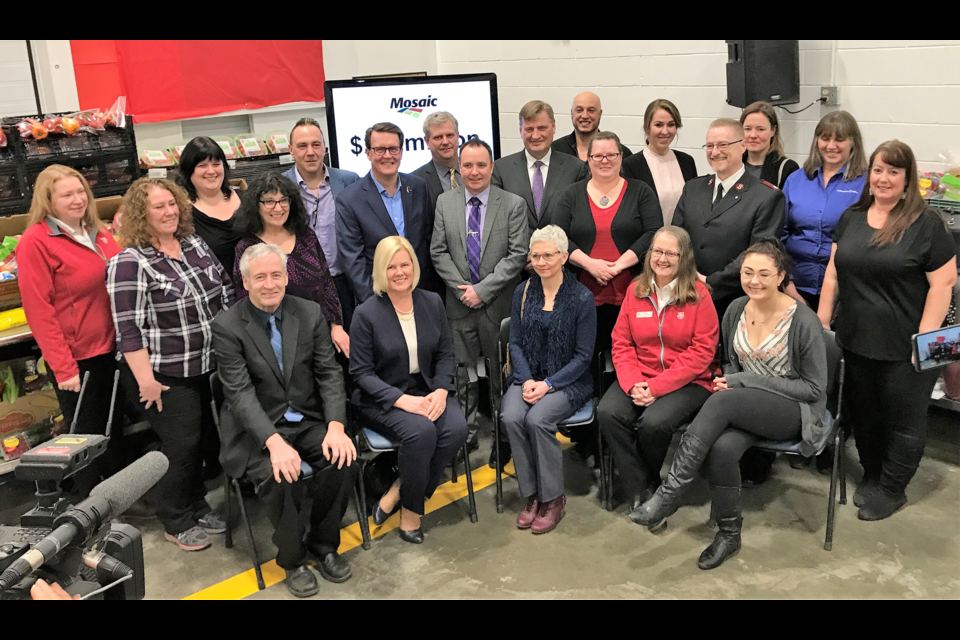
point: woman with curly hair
(166, 287)
(273, 212)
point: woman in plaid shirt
(166, 287)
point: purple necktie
(473, 240)
(537, 187)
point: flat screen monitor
(353, 106)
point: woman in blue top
(831, 181)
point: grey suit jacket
(751, 210)
(503, 250)
(257, 393)
(429, 173)
(510, 174)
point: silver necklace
(604, 200)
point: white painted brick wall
(905, 89)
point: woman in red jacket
(62, 266)
(664, 342)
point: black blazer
(510, 174)
(363, 221)
(429, 174)
(636, 168)
(256, 392)
(379, 359)
(568, 145)
(771, 169)
(751, 210)
(633, 226)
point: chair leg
(360, 496)
(831, 504)
(603, 472)
(253, 541)
(843, 468)
(498, 472)
(467, 473)
(228, 543)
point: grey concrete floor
(596, 554)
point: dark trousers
(733, 419)
(606, 319)
(284, 501)
(639, 437)
(812, 299)
(93, 415)
(181, 428)
(886, 402)
(347, 301)
(426, 447)
(475, 335)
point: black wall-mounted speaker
(767, 70)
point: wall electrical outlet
(831, 96)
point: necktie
(473, 240)
(719, 195)
(537, 187)
(289, 414)
(453, 179)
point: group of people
(712, 294)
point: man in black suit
(284, 402)
(726, 212)
(383, 203)
(585, 112)
(536, 174)
(442, 134)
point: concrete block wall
(905, 89)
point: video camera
(77, 546)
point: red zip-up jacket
(668, 350)
(64, 291)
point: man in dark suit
(284, 402)
(442, 134)
(585, 114)
(319, 185)
(726, 212)
(383, 203)
(536, 174)
(479, 247)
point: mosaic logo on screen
(412, 108)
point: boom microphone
(108, 499)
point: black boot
(690, 455)
(726, 544)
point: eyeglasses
(549, 256)
(272, 204)
(609, 156)
(762, 275)
(720, 146)
(379, 151)
(658, 253)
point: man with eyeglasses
(319, 185)
(383, 203)
(585, 113)
(726, 212)
(536, 174)
(479, 248)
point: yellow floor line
(245, 584)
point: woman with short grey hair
(552, 331)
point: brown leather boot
(529, 514)
(550, 515)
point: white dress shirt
(543, 170)
(668, 179)
(728, 183)
(80, 236)
(666, 295)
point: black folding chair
(584, 416)
(232, 487)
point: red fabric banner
(174, 79)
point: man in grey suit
(479, 247)
(442, 133)
(537, 174)
(319, 185)
(284, 402)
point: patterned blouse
(771, 357)
(308, 272)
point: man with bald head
(585, 113)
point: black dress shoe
(880, 505)
(505, 455)
(413, 537)
(380, 516)
(301, 582)
(334, 568)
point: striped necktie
(453, 179)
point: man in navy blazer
(383, 203)
(319, 185)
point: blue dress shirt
(812, 211)
(290, 414)
(322, 212)
(393, 204)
